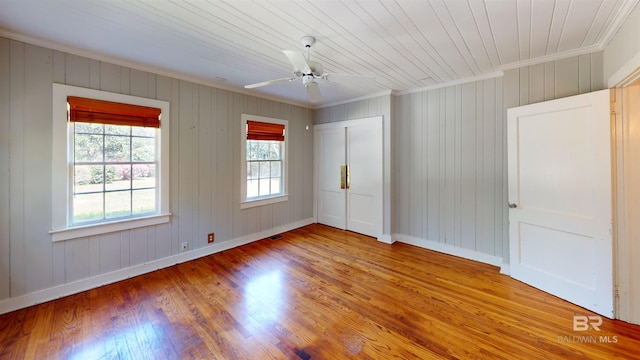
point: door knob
(513, 206)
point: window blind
(112, 113)
(264, 131)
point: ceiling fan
(311, 71)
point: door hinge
(616, 293)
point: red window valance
(113, 113)
(264, 131)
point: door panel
(364, 158)
(330, 197)
(560, 180)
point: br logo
(582, 322)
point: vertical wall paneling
(185, 168)
(204, 170)
(223, 199)
(427, 163)
(237, 221)
(488, 137)
(94, 74)
(76, 71)
(501, 244)
(58, 265)
(416, 161)
(403, 155)
(194, 178)
(536, 83)
(151, 243)
(17, 108)
(77, 252)
(37, 169)
(441, 175)
(524, 85)
(468, 177)
(176, 146)
(109, 77)
(479, 194)
(597, 71)
(125, 248)
(109, 253)
(450, 173)
(584, 73)
(307, 167)
(567, 77)
(549, 81)
(125, 80)
(138, 249)
(58, 67)
(94, 256)
(457, 188)
(5, 132)
(139, 83)
(206, 158)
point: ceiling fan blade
(353, 80)
(264, 83)
(313, 92)
(298, 61)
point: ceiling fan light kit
(310, 71)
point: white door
(559, 157)
(364, 190)
(330, 156)
(355, 202)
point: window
(264, 170)
(110, 165)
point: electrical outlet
(210, 238)
(185, 246)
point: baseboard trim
(450, 250)
(505, 269)
(52, 293)
(386, 238)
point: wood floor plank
(317, 293)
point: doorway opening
(626, 143)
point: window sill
(263, 201)
(103, 228)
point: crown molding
(618, 20)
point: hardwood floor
(317, 293)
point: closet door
(349, 175)
(330, 156)
(364, 192)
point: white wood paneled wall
(205, 169)
(450, 153)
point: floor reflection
(115, 343)
(264, 298)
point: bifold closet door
(349, 175)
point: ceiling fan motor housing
(307, 78)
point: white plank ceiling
(405, 44)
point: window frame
(62, 169)
(268, 199)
